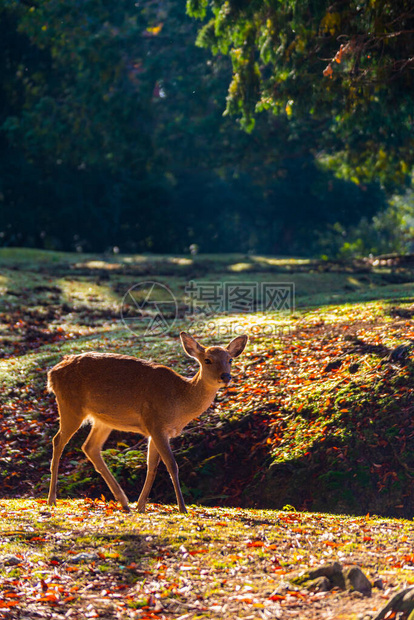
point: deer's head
(215, 362)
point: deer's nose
(226, 376)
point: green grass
(89, 559)
(285, 414)
(289, 432)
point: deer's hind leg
(70, 421)
(92, 448)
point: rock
(10, 560)
(84, 557)
(320, 584)
(332, 572)
(356, 580)
(334, 365)
(332, 575)
(401, 602)
(326, 570)
(378, 583)
(400, 353)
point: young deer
(128, 394)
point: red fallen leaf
(296, 594)
(37, 538)
(198, 551)
(6, 604)
(277, 597)
(255, 543)
(49, 598)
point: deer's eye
(207, 361)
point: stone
(10, 560)
(331, 571)
(402, 601)
(84, 557)
(378, 583)
(320, 584)
(356, 580)
(333, 575)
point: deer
(125, 393)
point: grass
(87, 558)
(286, 414)
(320, 417)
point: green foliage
(112, 132)
(390, 230)
(344, 68)
(197, 8)
(87, 103)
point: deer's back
(105, 383)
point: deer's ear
(191, 346)
(236, 346)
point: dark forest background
(112, 134)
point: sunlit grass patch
(88, 293)
(287, 406)
(88, 555)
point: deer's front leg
(163, 446)
(153, 458)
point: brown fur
(125, 393)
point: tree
(112, 134)
(342, 71)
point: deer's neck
(201, 395)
